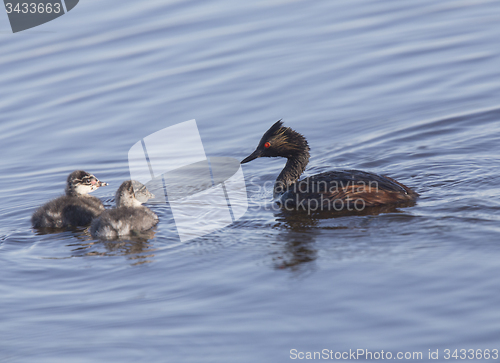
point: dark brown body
(346, 190)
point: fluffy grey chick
(129, 216)
(76, 208)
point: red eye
(267, 145)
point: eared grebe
(76, 208)
(332, 190)
(129, 216)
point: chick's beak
(101, 184)
(256, 154)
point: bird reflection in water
(138, 248)
(298, 251)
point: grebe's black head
(80, 182)
(280, 141)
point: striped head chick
(80, 182)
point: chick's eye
(267, 145)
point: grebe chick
(129, 216)
(76, 208)
(332, 190)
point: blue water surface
(404, 88)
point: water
(408, 89)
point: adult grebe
(76, 208)
(129, 216)
(332, 190)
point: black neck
(292, 171)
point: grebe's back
(346, 189)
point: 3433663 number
(33, 8)
(471, 354)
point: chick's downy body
(76, 208)
(129, 216)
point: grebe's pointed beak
(256, 154)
